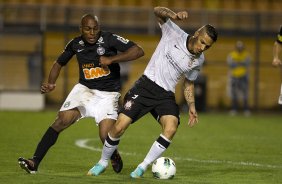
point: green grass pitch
(220, 149)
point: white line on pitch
(82, 143)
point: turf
(220, 149)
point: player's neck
(189, 45)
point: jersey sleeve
(192, 75)
(67, 54)
(279, 36)
(120, 43)
(170, 30)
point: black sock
(48, 140)
(162, 141)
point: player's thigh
(65, 119)
(166, 107)
(104, 105)
(136, 106)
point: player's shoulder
(201, 58)
(105, 37)
(74, 43)
(173, 29)
(76, 40)
(106, 34)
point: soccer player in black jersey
(98, 90)
(277, 48)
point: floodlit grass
(220, 149)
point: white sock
(108, 150)
(158, 147)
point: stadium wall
(215, 70)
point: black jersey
(91, 74)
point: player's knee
(170, 131)
(117, 131)
(103, 136)
(61, 123)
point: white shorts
(92, 103)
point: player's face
(201, 42)
(90, 30)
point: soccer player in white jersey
(277, 48)
(177, 54)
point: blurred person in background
(177, 54)
(276, 60)
(97, 93)
(238, 62)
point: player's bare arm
(53, 75)
(132, 53)
(190, 99)
(163, 13)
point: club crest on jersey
(100, 50)
(128, 105)
(190, 62)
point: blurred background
(34, 32)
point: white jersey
(172, 59)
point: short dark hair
(211, 31)
(89, 16)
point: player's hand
(46, 87)
(193, 116)
(276, 62)
(181, 15)
(104, 62)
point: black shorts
(146, 96)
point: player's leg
(111, 144)
(63, 120)
(167, 114)
(245, 91)
(234, 96)
(131, 111)
(104, 127)
(169, 125)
